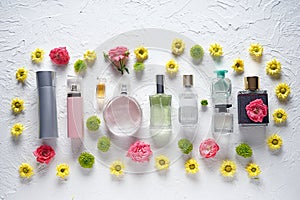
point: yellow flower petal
(141, 53)
(256, 50)
(273, 67)
(162, 162)
(216, 49)
(253, 170)
(274, 142)
(238, 65)
(228, 168)
(282, 91)
(191, 166)
(90, 56)
(21, 74)
(17, 105)
(178, 47)
(37, 55)
(25, 170)
(17, 129)
(117, 168)
(62, 170)
(172, 67)
(279, 116)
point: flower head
(44, 154)
(93, 123)
(117, 168)
(196, 52)
(80, 66)
(139, 66)
(162, 162)
(216, 50)
(21, 74)
(273, 67)
(17, 129)
(244, 150)
(274, 142)
(118, 57)
(139, 152)
(204, 102)
(90, 56)
(103, 144)
(279, 116)
(253, 170)
(62, 170)
(185, 146)
(208, 148)
(26, 170)
(228, 168)
(37, 55)
(141, 53)
(256, 50)
(178, 47)
(17, 105)
(282, 91)
(257, 110)
(86, 160)
(172, 67)
(191, 166)
(59, 56)
(238, 65)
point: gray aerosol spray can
(47, 104)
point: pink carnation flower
(139, 152)
(257, 110)
(118, 57)
(59, 56)
(208, 148)
(44, 154)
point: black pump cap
(160, 84)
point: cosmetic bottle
(221, 89)
(47, 104)
(74, 107)
(222, 119)
(100, 89)
(253, 104)
(188, 105)
(123, 114)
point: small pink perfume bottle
(74, 107)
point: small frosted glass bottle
(221, 89)
(188, 105)
(222, 119)
(123, 114)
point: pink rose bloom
(139, 152)
(59, 56)
(257, 110)
(44, 154)
(208, 148)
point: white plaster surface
(81, 25)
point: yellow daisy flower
(216, 49)
(274, 142)
(38, 55)
(90, 56)
(17, 129)
(162, 162)
(141, 53)
(21, 74)
(26, 170)
(172, 67)
(253, 170)
(282, 91)
(17, 105)
(238, 65)
(228, 168)
(256, 50)
(117, 168)
(191, 166)
(273, 67)
(178, 47)
(62, 170)
(279, 116)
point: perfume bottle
(253, 104)
(221, 89)
(47, 104)
(160, 113)
(100, 89)
(188, 105)
(123, 114)
(222, 119)
(74, 107)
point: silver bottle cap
(187, 80)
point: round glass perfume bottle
(123, 114)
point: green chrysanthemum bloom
(185, 146)
(204, 102)
(80, 66)
(196, 52)
(103, 144)
(244, 150)
(93, 123)
(86, 160)
(139, 66)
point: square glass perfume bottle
(221, 88)
(253, 104)
(223, 119)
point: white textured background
(81, 25)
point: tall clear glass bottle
(221, 88)
(223, 119)
(188, 104)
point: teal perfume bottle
(221, 89)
